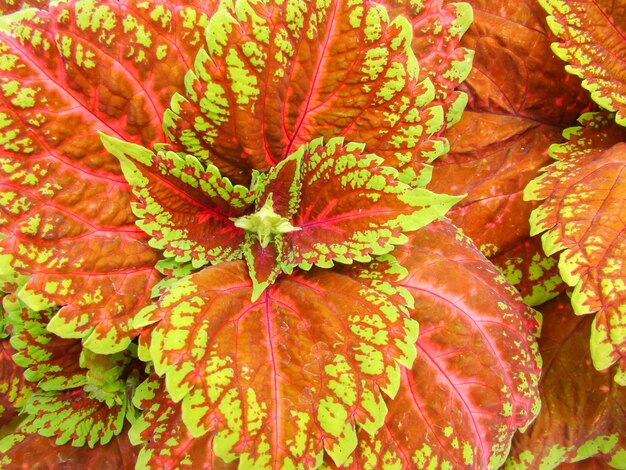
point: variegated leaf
(185, 207)
(67, 73)
(280, 379)
(437, 31)
(371, 215)
(10, 6)
(51, 361)
(520, 100)
(23, 451)
(275, 76)
(14, 388)
(167, 443)
(583, 410)
(74, 416)
(592, 40)
(475, 379)
(583, 216)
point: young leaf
(167, 443)
(185, 208)
(275, 76)
(280, 379)
(475, 379)
(592, 41)
(582, 412)
(369, 218)
(20, 450)
(585, 186)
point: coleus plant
(218, 247)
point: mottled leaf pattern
(168, 443)
(50, 361)
(23, 451)
(520, 100)
(475, 379)
(14, 388)
(185, 208)
(437, 31)
(582, 411)
(275, 76)
(74, 416)
(9, 6)
(592, 40)
(282, 378)
(534, 274)
(584, 217)
(66, 207)
(373, 212)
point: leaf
(184, 207)
(10, 6)
(264, 264)
(532, 273)
(167, 442)
(74, 416)
(14, 388)
(50, 361)
(18, 451)
(437, 31)
(582, 413)
(520, 100)
(274, 77)
(280, 379)
(369, 218)
(65, 205)
(591, 40)
(475, 379)
(583, 216)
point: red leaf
(474, 382)
(23, 451)
(66, 208)
(274, 78)
(582, 413)
(592, 39)
(520, 99)
(583, 216)
(167, 442)
(284, 377)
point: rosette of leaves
(238, 187)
